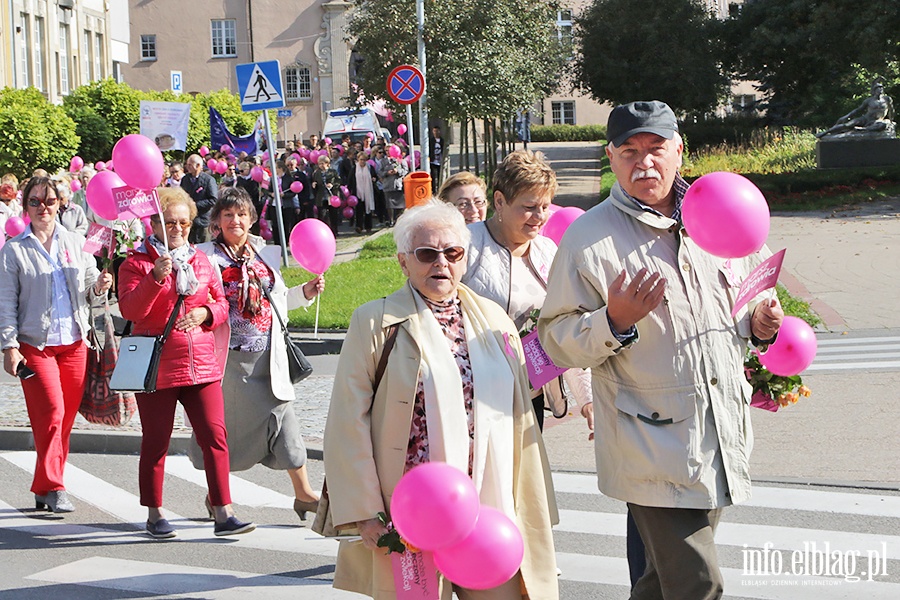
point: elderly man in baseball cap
(631, 296)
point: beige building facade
(58, 45)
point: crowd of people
(637, 312)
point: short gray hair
(433, 214)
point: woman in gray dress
(391, 172)
(262, 427)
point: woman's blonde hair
(459, 180)
(523, 171)
(172, 196)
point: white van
(358, 122)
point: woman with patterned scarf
(163, 275)
(262, 426)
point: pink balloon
(400, 142)
(726, 215)
(304, 152)
(348, 213)
(203, 151)
(401, 129)
(76, 164)
(265, 156)
(100, 194)
(139, 161)
(14, 226)
(352, 201)
(265, 230)
(100, 165)
(328, 141)
(225, 149)
(489, 556)
(313, 245)
(339, 149)
(297, 187)
(212, 164)
(257, 174)
(345, 190)
(370, 135)
(434, 505)
(75, 185)
(559, 221)
(111, 167)
(794, 348)
(393, 151)
(221, 167)
(335, 201)
(553, 208)
(296, 157)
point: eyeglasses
(181, 224)
(34, 201)
(429, 255)
(470, 204)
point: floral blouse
(248, 333)
(449, 317)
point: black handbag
(298, 365)
(138, 364)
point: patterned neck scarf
(186, 282)
(250, 298)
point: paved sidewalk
(840, 261)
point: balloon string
(316, 329)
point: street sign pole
(409, 132)
(276, 187)
(423, 101)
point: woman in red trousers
(150, 281)
(46, 284)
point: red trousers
(205, 408)
(53, 396)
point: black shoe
(56, 501)
(301, 507)
(233, 527)
(160, 530)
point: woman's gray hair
(433, 214)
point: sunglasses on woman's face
(34, 201)
(429, 255)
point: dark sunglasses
(429, 255)
(35, 202)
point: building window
(564, 30)
(39, 54)
(297, 83)
(62, 60)
(86, 75)
(563, 113)
(99, 71)
(224, 38)
(744, 103)
(24, 45)
(148, 47)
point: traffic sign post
(405, 85)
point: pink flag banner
(415, 576)
(140, 203)
(98, 238)
(761, 278)
(541, 369)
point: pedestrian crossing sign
(259, 85)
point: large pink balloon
(489, 556)
(14, 226)
(313, 245)
(296, 187)
(138, 161)
(434, 505)
(345, 190)
(257, 174)
(100, 195)
(76, 164)
(559, 221)
(401, 129)
(726, 215)
(794, 348)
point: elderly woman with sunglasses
(152, 279)
(46, 284)
(451, 388)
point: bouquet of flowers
(392, 540)
(770, 391)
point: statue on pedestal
(875, 120)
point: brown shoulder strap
(389, 340)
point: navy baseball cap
(627, 120)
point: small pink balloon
(225, 149)
(257, 174)
(265, 156)
(313, 245)
(14, 226)
(328, 141)
(348, 213)
(140, 163)
(726, 215)
(793, 350)
(99, 194)
(211, 164)
(489, 556)
(75, 185)
(394, 151)
(401, 129)
(100, 165)
(559, 222)
(111, 167)
(304, 152)
(401, 142)
(76, 164)
(370, 135)
(434, 505)
(352, 201)
(148, 229)
(296, 157)
(297, 187)
(265, 230)
(204, 151)
(345, 190)
(335, 201)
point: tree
(809, 56)
(663, 50)
(35, 133)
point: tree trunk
(463, 146)
(475, 147)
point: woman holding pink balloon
(445, 383)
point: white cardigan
(284, 299)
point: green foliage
(568, 133)
(35, 133)
(381, 247)
(118, 103)
(485, 58)
(228, 105)
(97, 138)
(733, 130)
(796, 307)
(766, 151)
(665, 50)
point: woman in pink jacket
(150, 281)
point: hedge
(568, 133)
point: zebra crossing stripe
(242, 491)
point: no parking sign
(405, 84)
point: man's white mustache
(650, 173)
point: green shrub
(96, 137)
(35, 133)
(735, 131)
(766, 151)
(568, 133)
